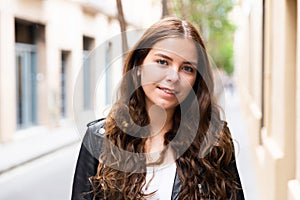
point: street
(50, 177)
(47, 178)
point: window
(26, 73)
(108, 74)
(63, 85)
(88, 44)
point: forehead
(180, 47)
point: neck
(161, 121)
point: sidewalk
(239, 130)
(33, 143)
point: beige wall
(294, 184)
(62, 25)
(7, 76)
(65, 24)
(274, 144)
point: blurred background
(45, 66)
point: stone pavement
(33, 143)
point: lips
(168, 90)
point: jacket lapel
(176, 187)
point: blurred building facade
(43, 46)
(267, 59)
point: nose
(172, 75)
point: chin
(167, 107)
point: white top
(162, 181)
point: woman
(163, 138)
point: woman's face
(168, 72)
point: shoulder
(96, 127)
(225, 128)
(94, 136)
(224, 124)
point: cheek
(188, 82)
(187, 86)
(150, 75)
(147, 89)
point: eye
(162, 62)
(188, 69)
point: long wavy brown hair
(203, 166)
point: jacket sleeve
(87, 163)
(234, 170)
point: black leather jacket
(87, 164)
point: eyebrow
(168, 58)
